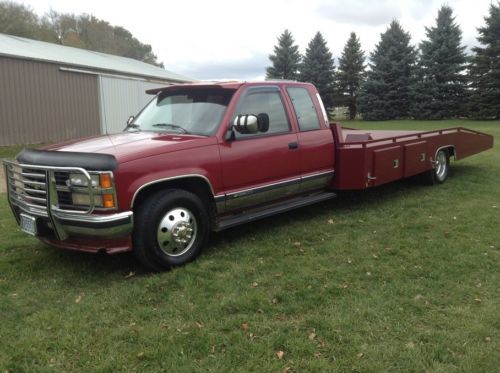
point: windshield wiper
(174, 126)
(133, 126)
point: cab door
(263, 167)
(316, 143)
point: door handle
(293, 145)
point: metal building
(50, 92)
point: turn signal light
(105, 181)
(108, 200)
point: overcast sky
(226, 39)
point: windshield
(197, 112)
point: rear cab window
(304, 108)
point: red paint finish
(414, 158)
(317, 151)
(387, 165)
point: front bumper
(88, 233)
(34, 191)
(105, 226)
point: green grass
(399, 278)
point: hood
(129, 146)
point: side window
(304, 109)
(263, 100)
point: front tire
(171, 228)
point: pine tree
(285, 60)
(441, 84)
(351, 74)
(318, 68)
(387, 91)
(485, 69)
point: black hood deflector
(88, 161)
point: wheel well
(450, 149)
(195, 185)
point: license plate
(28, 224)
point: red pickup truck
(206, 157)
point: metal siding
(40, 104)
(121, 98)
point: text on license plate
(28, 224)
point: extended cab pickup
(206, 157)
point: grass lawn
(403, 277)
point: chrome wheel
(177, 231)
(441, 167)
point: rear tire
(171, 228)
(439, 173)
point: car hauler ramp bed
(369, 158)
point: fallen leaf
(130, 274)
(78, 299)
(344, 285)
(287, 370)
(140, 355)
(199, 325)
(280, 355)
(213, 349)
(312, 335)
(244, 326)
(317, 354)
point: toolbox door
(415, 158)
(387, 165)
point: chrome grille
(27, 188)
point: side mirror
(251, 124)
(130, 119)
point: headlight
(100, 200)
(81, 180)
(84, 199)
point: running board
(245, 217)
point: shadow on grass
(99, 266)
(344, 202)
